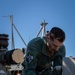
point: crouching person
(41, 52)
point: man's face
(54, 44)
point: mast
(43, 29)
(12, 35)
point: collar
(45, 48)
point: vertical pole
(12, 36)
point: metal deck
(68, 66)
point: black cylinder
(3, 41)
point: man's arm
(30, 60)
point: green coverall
(38, 60)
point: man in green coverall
(44, 55)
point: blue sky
(29, 14)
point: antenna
(43, 29)
(11, 19)
(12, 34)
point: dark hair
(57, 33)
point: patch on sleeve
(29, 58)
